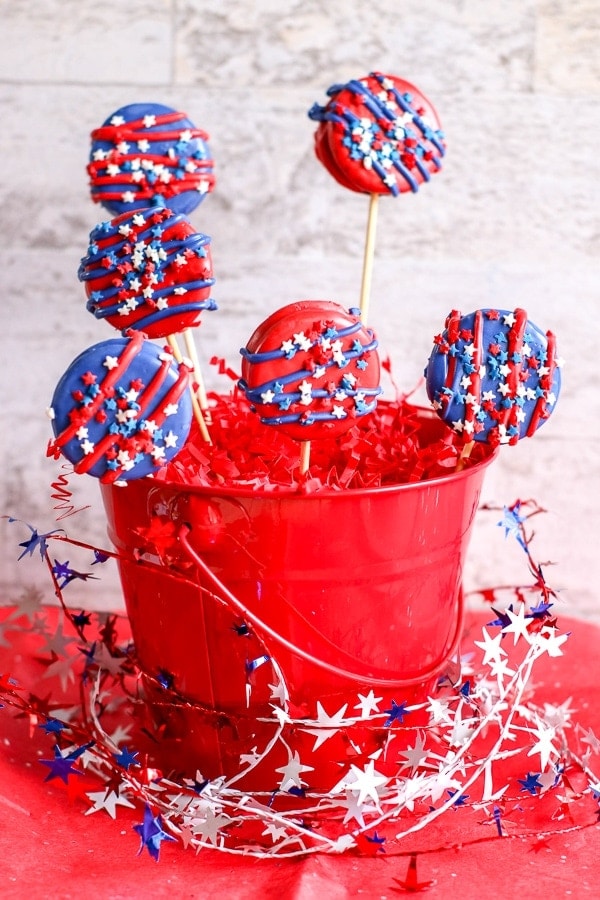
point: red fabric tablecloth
(50, 848)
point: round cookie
(148, 270)
(493, 375)
(147, 154)
(121, 410)
(311, 369)
(378, 135)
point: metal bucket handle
(231, 600)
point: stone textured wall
(511, 221)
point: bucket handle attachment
(231, 600)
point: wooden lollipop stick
(304, 457)
(464, 455)
(365, 288)
(195, 405)
(190, 347)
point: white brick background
(511, 220)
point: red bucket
(339, 592)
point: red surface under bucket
(347, 590)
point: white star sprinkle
(87, 447)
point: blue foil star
(396, 713)
(378, 841)
(151, 833)
(61, 766)
(531, 783)
(466, 689)
(541, 611)
(253, 664)
(52, 726)
(165, 679)
(503, 618)
(126, 759)
(511, 522)
(62, 571)
(36, 541)
(80, 620)
(460, 801)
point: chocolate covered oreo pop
(493, 375)
(147, 154)
(121, 410)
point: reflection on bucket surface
(349, 591)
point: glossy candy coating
(122, 409)
(311, 369)
(146, 154)
(493, 376)
(149, 270)
(378, 135)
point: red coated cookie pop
(311, 369)
(378, 135)
(148, 270)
